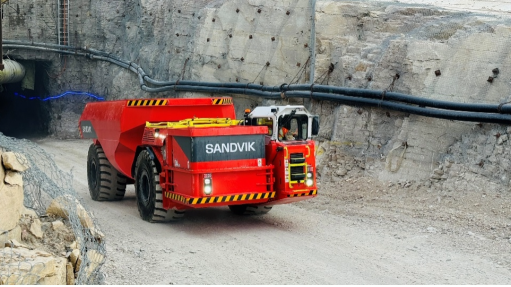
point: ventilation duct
(13, 72)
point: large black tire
(246, 209)
(105, 182)
(149, 192)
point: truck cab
(289, 148)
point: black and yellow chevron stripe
(222, 101)
(139, 103)
(215, 199)
(312, 192)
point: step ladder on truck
(193, 153)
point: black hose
(213, 85)
(35, 44)
(403, 98)
(428, 112)
(214, 90)
(490, 113)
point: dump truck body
(119, 125)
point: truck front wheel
(246, 209)
(149, 192)
(105, 182)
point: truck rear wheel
(105, 182)
(149, 192)
(246, 209)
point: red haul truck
(192, 153)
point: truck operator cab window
(293, 128)
(266, 122)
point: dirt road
(347, 235)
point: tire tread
(112, 184)
(159, 214)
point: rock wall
(421, 50)
(194, 40)
(34, 250)
(11, 197)
(418, 50)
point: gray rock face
(421, 50)
(377, 42)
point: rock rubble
(40, 250)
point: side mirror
(315, 125)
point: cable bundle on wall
(476, 112)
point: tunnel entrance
(22, 112)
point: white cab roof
(260, 112)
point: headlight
(208, 184)
(158, 135)
(310, 180)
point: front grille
(297, 158)
(297, 166)
(296, 169)
(297, 172)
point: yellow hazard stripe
(312, 192)
(222, 101)
(215, 199)
(146, 102)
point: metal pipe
(12, 72)
(56, 50)
(37, 44)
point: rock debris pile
(40, 249)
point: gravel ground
(357, 231)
